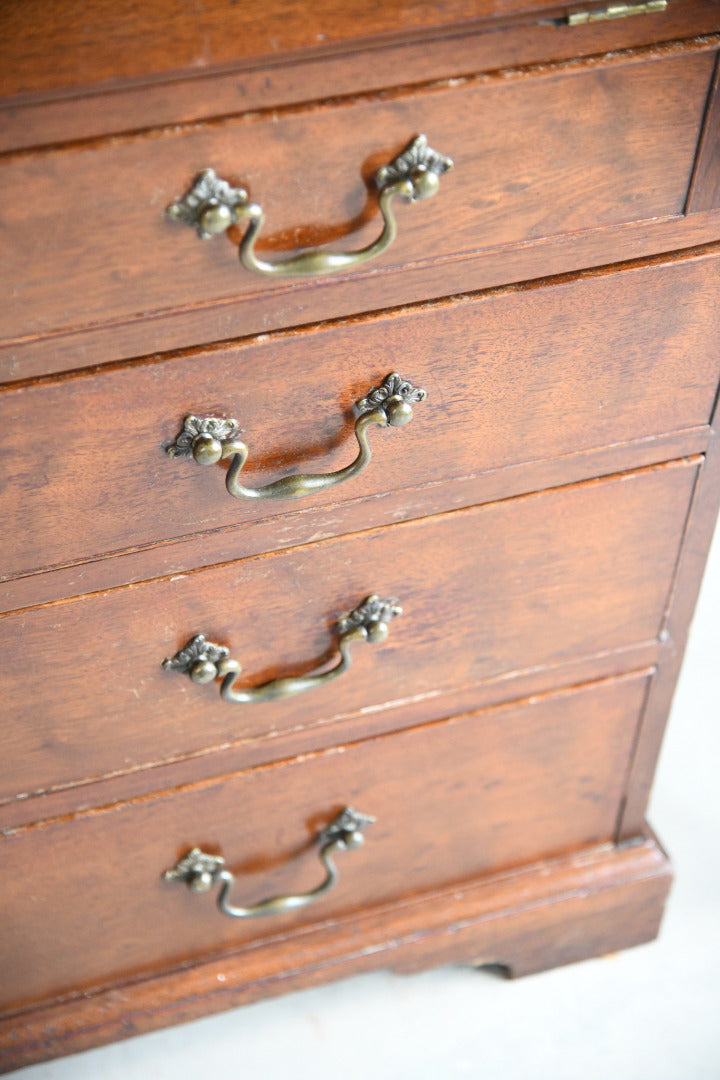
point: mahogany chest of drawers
(252, 616)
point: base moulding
(555, 912)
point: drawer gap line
(539, 69)
(632, 674)
(692, 459)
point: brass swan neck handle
(294, 487)
(211, 439)
(205, 661)
(211, 205)
(200, 871)
(322, 263)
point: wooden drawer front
(515, 376)
(538, 152)
(121, 45)
(509, 586)
(86, 902)
(39, 113)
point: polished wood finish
(504, 191)
(127, 40)
(543, 521)
(323, 522)
(247, 753)
(357, 293)
(699, 532)
(532, 373)
(519, 783)
(597, 561)
(705, 188)
(551, 912)
(52, 116)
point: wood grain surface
(514, 585)
(509, 786)
(119, 41)
(592, 902)
(321, 522)
(515, 376)
(356, 293)
(700, 527)
(543, 521)
(244, 754)
(126, 104)
(601, 154)
(705, 187)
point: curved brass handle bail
(211, 439)
(294, 487)
(205, 661)
(200, 871)
(211, 206)
(323, 263)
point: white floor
(652, 1013)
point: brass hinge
(616, 11)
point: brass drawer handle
(200, 871)
(210, 439)
(212, 205)
(204, 661)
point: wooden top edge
(50, 51)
